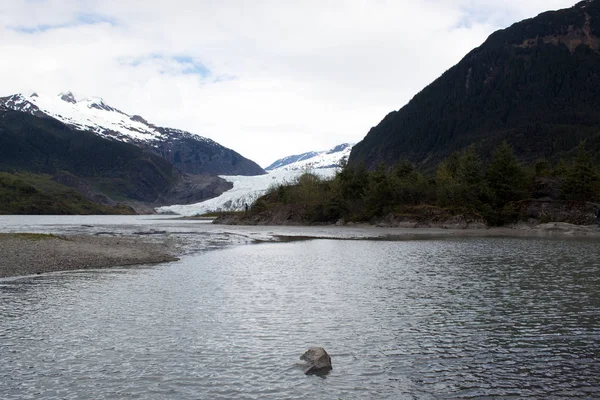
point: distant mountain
(282, 162)
(246, 189)
(312, 159)
(188, 152)
(104, 171)
(535, 84)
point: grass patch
(27, 193)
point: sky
(267, 78)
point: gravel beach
(27, 254)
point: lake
(438, 318)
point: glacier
(246, 189)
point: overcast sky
(266, 78)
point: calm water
(440, 318)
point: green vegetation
(534, 85)
(84, 160)
(27, 193)
(582, 181)
(462, 184)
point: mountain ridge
(533, 84)
(189, 152)
(104, 171)
(313, 159)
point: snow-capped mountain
(90, 114)
(282, 162)
(246, 189)
(313, 160)
(189, 152)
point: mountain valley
(109, 157)
(286, 170)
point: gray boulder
(317, 361)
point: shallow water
(441, 318)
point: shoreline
(26, 254)
(550, 229)
(30, 254)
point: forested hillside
(44, 145)
(463, 189)
(535, 84)
(100, 170)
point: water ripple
(452, 318)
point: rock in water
(317, 361)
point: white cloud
(285, 77)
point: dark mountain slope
(535, 84)
(43, 145)
(202, 156)
(94, 166)
(190, 153)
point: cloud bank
(267, 78)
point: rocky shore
(465, 225)
(536, 215)
(28, 254)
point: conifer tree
(460, 181)
(581, 180)
(379, 193)
(505, 177)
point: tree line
(463, 181)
